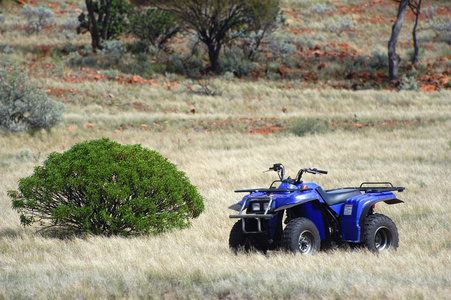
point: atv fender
(291, 200)
(293, 204)
(311, 209)
(355, 209)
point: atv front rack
(257, 216)
(264, 214)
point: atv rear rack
(377, 187)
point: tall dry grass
(196, 263)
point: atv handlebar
(308, 170)
(279, 168)
(315, 171)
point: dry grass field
(196, 263)
(224, 143)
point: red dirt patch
(263, 126)
(60, 92)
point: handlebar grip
(321, 171)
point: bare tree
(393, 58)
(415, 6)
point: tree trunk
(393, 58)
(93, 26)
(414, 34)
(213, 55)
(106, 20)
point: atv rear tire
(301, 236)
(380, 233)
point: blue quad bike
(301, 217)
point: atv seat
(332, 197)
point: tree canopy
(214, 21)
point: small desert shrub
(302, 42)
(282, 49)
(341, 25)
(408, 82)
(236, 63)
(10, 159)
(70, 24)
(378, 61)
(113, 54)
(440, 24)
(102, 187)
(68, 29)
(23, 107)
(37, 17)
(228, 76)
(320, 9)
(115, 47)
(304, 126)
(8, 50)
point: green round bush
(105, 188)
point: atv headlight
(255, 206)
(258, 205)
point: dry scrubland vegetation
(401, 136)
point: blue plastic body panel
(286, 198)
(312, 210)
(352, 210)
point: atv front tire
(239, 241)
(237, 238)
(301, 236)
(380, 233)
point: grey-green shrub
(378, 61)
(22, 106)
(37, 17)
(408, 83)
(321, 9)
(102, 187)
(303, 126)
(340, 25)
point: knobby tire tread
(371, 224)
